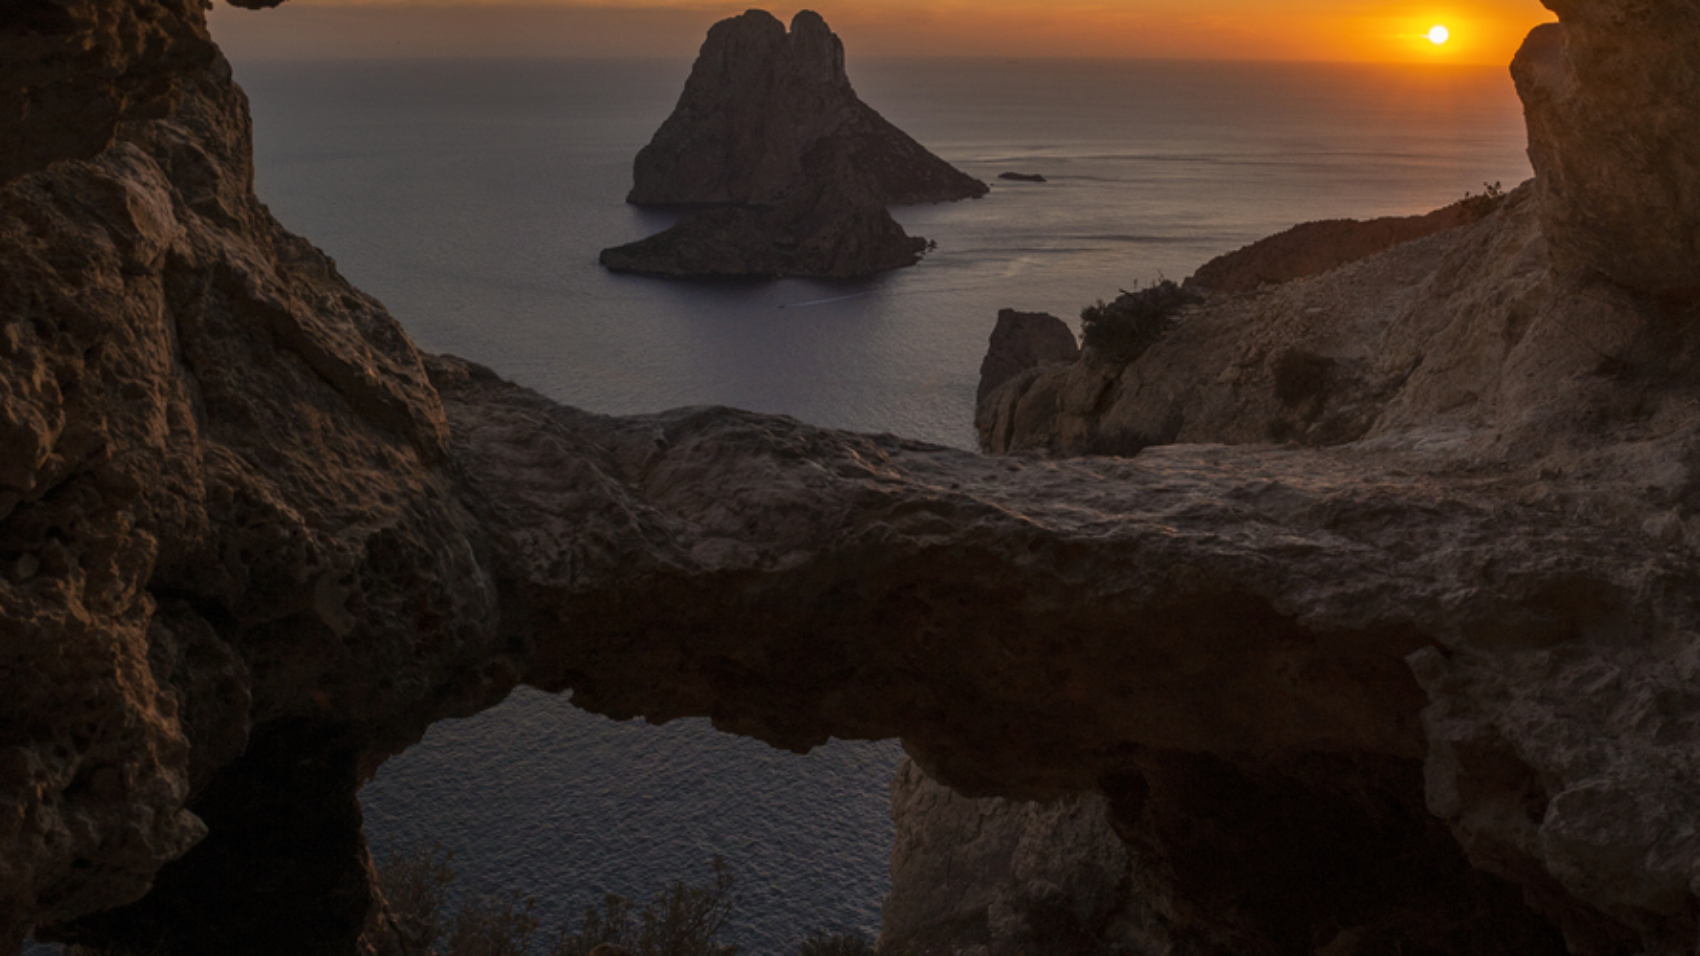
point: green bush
(1122, 330)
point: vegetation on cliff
(682, 919)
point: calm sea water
(472, 197)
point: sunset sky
(1482, 31)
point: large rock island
(1379, 635)
(770, 131)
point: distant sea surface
(473, 197)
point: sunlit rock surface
(1384, 640)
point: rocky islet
(796, 170)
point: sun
(1439, 35)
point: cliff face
(227, 542)
(1422, 672)
(1609, 94)
(758, 102)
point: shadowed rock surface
(834, 229)
(758, 103)
(1024, 340)
(1609, 95)
(1427, 660)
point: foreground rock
(761, 107)
(1007, 876)
(1421, 677)
(1609, 96)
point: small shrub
(415, 882)
(493, 926)
(1477, 207)
(822, 943)
(1122, 330)
(681, 920)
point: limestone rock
(1313, 248)
(1609, 94)
(1024, 340)
(71, 71)
(220, 505)
(759, 102)
(1413, 338)
(1003, 875)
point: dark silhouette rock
(1022, 177)
(829, 228)
(798, 169)
(760, 101)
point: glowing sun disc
(1439, 35)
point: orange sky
(1483, 31)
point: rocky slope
(1313, 248)
(1421, 676)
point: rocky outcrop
(1024, 340)
(836, 230)
(227, 544)
(759, 103)
(1004, 877)
(1609, 94)
(1313, 248)
(1415, 337)
(1420, 676)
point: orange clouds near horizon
(1483, 32)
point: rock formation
(831, 229)
(1024, 340)
(1421, 674)
(800, 170)
(1007, 876)
(759, 102)
(1609, 94)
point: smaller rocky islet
(792, 171)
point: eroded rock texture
(1609, 93)
(1383, 642)
(758, 103)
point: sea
(472, 197)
